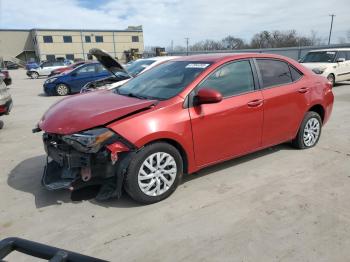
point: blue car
(31, 65)
(72, 81)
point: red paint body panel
(207, 133)
(226, 129)
(84, 111)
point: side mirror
(340, 59)
(207, 96)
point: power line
(330, 31)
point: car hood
(316, 65)
(107, 61)
(85, 111)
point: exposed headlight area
(85, 158)
(318, 70)
(51, 80)
(91, 141)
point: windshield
(319, 57)
(163, 81)
(138, 66)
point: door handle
(255, 103)
(303, 90)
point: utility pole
(330, 31)
(187, 39)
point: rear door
(286, 99)
(233, 126)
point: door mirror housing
(207, 96)
(340, 60)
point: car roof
(331, 49)
(216, 57)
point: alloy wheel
(311, 132)
(62, 90)
(157, 174)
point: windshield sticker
(330, 53)
(197, 65)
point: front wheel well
(319, 110)
(179, 147)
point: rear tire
(62, 90)
(154, 173)
(309, 132)
(1, 124)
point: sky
(164, 21)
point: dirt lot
(279, 204)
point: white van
(334, 64)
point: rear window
(296, 75)
(274, 72)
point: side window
(296, 75)
(100, 68)
(347, 55)
(274, 72)
(86, 69)
(231, 79)
(341, 54)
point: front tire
(309, 132)
(34, 75)
(331, 78)
(154, 173)
(62, 90)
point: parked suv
(179, 117)
(334, 64)
(45, 68)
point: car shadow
(26, 177)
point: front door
(233, 126)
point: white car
(122, 75)
(45, 68)
(334, 64)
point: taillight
(6, 73)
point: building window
(70, 56)
(50, 58)
(47, 39)
(99, 39)
(87, 39)
(135, 38)
(67, 39)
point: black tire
(298, 141)
(1, 124)
(331, 78)
(131, 185)
(34, 75)
(62, 89)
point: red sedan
(181, 116)
(64, 69)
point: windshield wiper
(130, 94)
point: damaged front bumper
(69, 168)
